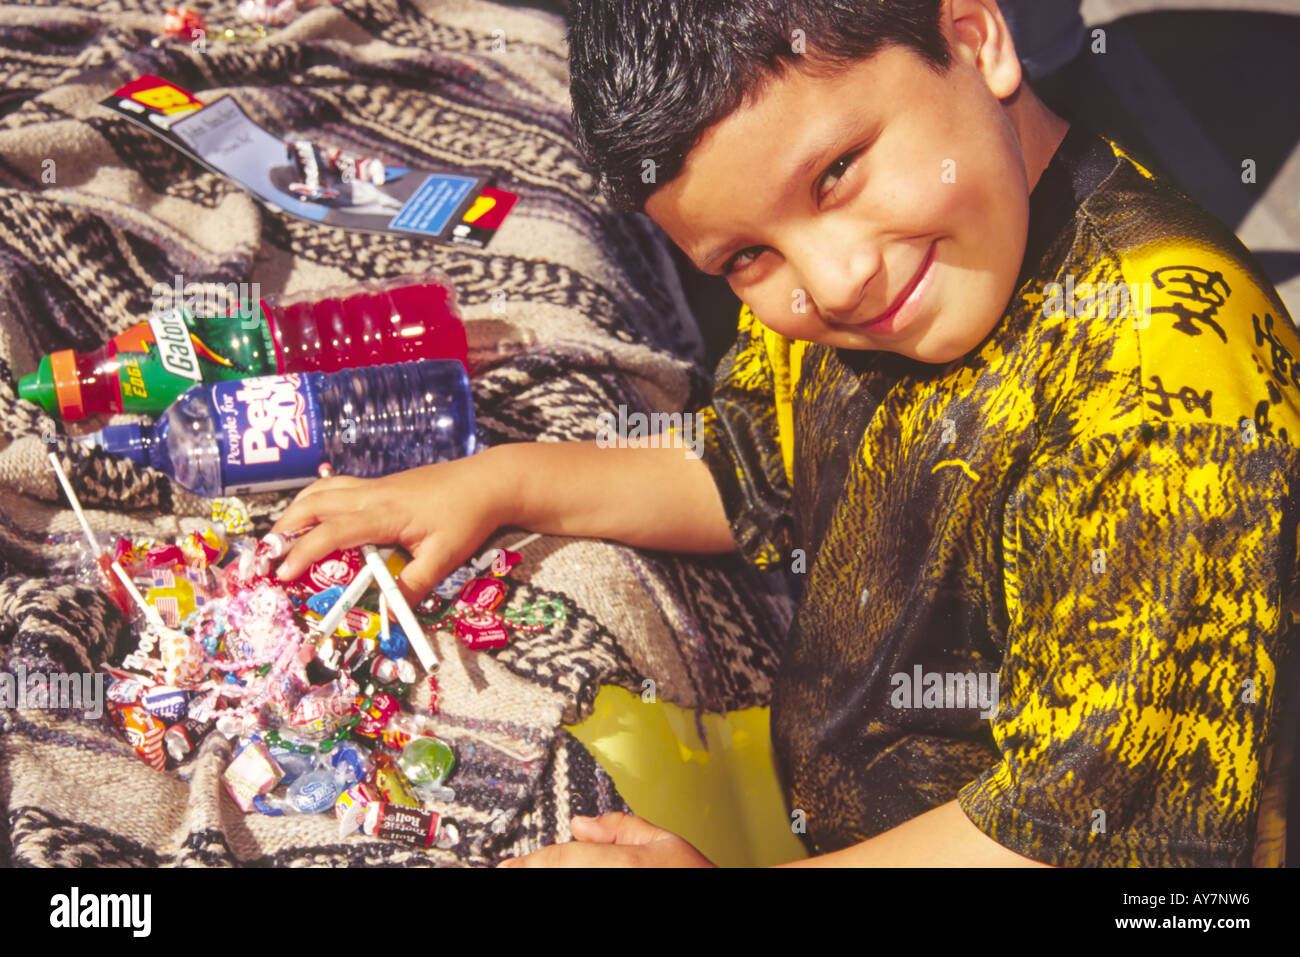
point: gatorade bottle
(273, 432)
(144, 369)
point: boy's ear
(978, 35)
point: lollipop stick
(150, 613)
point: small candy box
(252, 771)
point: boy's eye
(836, 170)
(739, 260)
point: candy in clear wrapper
(292, 763)
(394, 788)
(401, 729)
(387, 671)
(204, 548)
(112, 586)
(269, 12)
(427, 762)
(351, 806)
(450, 586)
(314, 792)
(174, 597)
(350, 763)
(182, 659)
(233, 514)
(125, 688)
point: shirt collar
(1080, 164)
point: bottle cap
(39, 387)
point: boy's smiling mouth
(903, 309)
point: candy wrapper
(252, 771)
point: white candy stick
(351, 595)
(150, 613)
(76, 504)
(405, 617)
(484, 560)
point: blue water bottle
(273, 432)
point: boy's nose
(836, 280)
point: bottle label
(175, 348)
(269, 433)
(159, 359)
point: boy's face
(906, 229)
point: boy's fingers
(419, 576)
(319, 542)
(615, 828)
(310, 509)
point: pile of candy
(310, 682)
(185, 24)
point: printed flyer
(314, 180)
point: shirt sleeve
(1147, 583)
(746, 439)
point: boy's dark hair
(648, 77)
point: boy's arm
(661, 498)
(944, 837)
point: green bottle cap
(39, 387)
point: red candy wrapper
(405, 824)
(336, 568)
(503, 561)
(113, 587)
(373, 720)
(182, 22)
(164, 556)
(482, 633)
(479, 595)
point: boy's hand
(615, 840)
(439, 513)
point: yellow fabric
(721, 795)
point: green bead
(327, 745)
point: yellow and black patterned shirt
(1090, 520)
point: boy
(1020, 415)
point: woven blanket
(571, 311)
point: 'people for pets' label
(269, 432)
